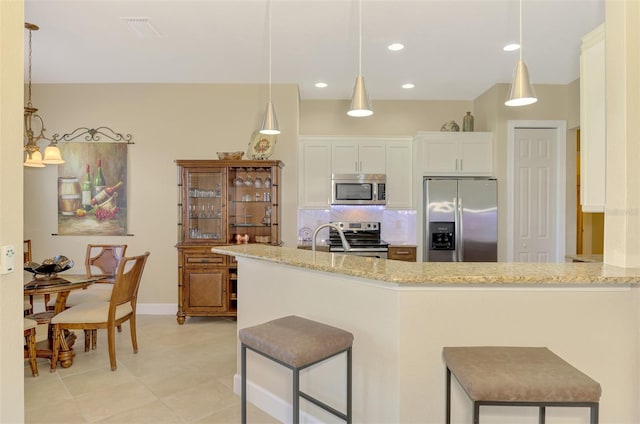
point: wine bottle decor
(467, 122)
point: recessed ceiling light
(408, 85)
(511, 47)
(395, 47)
(321, 84)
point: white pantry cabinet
(592, 121)
(454, 153)
(363, 156)
(319, 156)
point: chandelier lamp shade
(270, 122)
(34, 158)
(360, 104)
(522, 92)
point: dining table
(61, 286)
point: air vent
(142, 27)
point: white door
(535, 169)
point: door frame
(561, 181)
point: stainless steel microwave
(358, 189)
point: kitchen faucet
(345, 243)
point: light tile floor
(181, 374)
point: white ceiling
(453, 47)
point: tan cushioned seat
(29, 323)
(90, 312)
(296, 341)
(512, 374)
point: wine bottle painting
(92, 189)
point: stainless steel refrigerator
(460, 220)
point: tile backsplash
(398, 226)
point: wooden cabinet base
(402, 253)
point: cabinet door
(205, 290)
(344, 158)
(475, 157)
(440, 156)
(314, 177)
(399, 175)
(203, 206)
(371, 158)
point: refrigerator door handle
(459, 231)
(456, 229)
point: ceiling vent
(142, 27)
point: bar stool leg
(448, 402)
(296, 396)
(243, 387)
(542, 416)
(594, 414)
(349, 385)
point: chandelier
(34, 158)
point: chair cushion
(90, 312)
(511, 374)
(100, 292)
(296, 341)
(29, 324)
(27, 304)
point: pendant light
(360, 104)
(270, 121)
(34, 158)
(522, 92)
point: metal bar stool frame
(296, 392)
(594, 406)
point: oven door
(367, 253)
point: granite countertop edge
(443, 273)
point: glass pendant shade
(522, 92)
(35, 160)
(270, 121)
(360, 104)
(52, 155)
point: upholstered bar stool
(518, 376)
(296, 343)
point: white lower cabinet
(454, 153)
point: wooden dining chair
(105, 315)
(30, 344)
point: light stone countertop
(441, 273)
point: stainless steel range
(364, 238)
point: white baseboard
(273, 405)
(157, 308)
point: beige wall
(556, 102)
(167, 122)
(11, 102)
(390, 118)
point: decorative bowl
(49, 267)
(230, 155)
(450, 126)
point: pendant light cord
(520, 30)
(29, 84)
(269, 51)
(360, 37)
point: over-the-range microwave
(358, 189)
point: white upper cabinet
(314, 174)
(358, 156)
(454, 153)
(399, 174)
(319, 157)
(592, 121)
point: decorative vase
(467, 122)
(450, 126)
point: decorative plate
(261, 146)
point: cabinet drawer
(402, 253)
(202, 258)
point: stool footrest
(323, 405)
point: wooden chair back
(127, 282)
(103, 260)
(27, 251)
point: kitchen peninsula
(402, 315)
